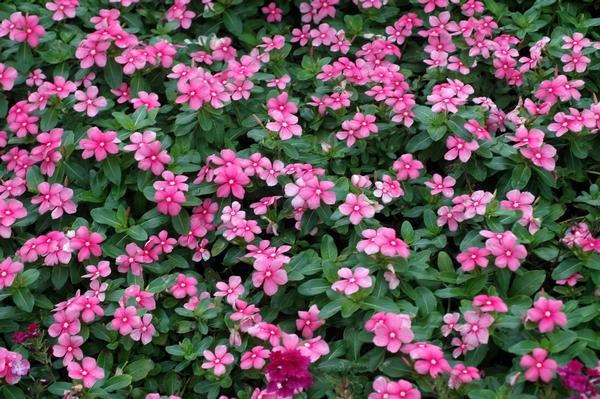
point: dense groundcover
(378, 199)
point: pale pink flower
(217, 360)
(352, 281)
(87, 371)
(89, 101)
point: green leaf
(331, 308)
(561, 340)
(34, 178)
(527, 283)
(49, 118)
(117, 382)
(523, 347)
(425, 301)
(112, 170)
(520, 176)
(23, 298)
(181, 222)
(139, 369)
(161, 283)
(328, 248)
(28, 277)
(105, 216)
(566, 269)
(137, 233)
(12, 392)
(113, 73)
(59, 276)
(233, 23)
(314, 287)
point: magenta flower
(68, 347)
(255, 358)
(385, 389)
(475, 329)
(459, 148)
(507, 252)
(184, 286)
(393, 332)
(27, 29)
(65, 322)
(87, 371)
(407, 168)
(352, 281)
(125, 320)
(231, 290)
(269, 275)
(546, 313)
(490, 304)
(10, 211)
(149, 100)
(217, 360)
(145, 331)
(8, 271)
(437, 184)
(538, 366)
(287, 372)
(90, 102)
(358, 207)
(308, 321)
(169, 200)
(87, 243)
(99, 144)
(8, 75)
(430, 361)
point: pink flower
(169, 200)
(308, 321)
(490, 304)
(517, 200)
(217, 360)
(65, 322)
(575, 61)
(269, 275)
(461, 374)
(27, 29)
(184, 286)
(430, 361)
(531, 138)
(541, 156)
(546, 313)
(231, 290)
(87, 371)
(358, 207)
(8, 75)
(255, 358)
(507, 252)
(125, 320)
(272, 12)
(313, 192)
(89, 101)
(280, 82)
(538, 366)
(459, 148)
(62, 9)
(8, 271)
(475, 329)
(87, 243)
(145, 331)
(92, 52)
(285, 124)
(10, 211)
(99, 144)
(571, 281)
(56, 198)
(94, 272)
(68, 347)
(437, 184)
(387, 189)
(232, 180)
(407, 168)
(451, 217)
(450, 323)
(393, 332)
(401, 389)
(149, 100)
(352, 281)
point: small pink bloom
(546, 313)
(217, 360)
(538, 366)
(87, 371)
(352, 281)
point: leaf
(384, 304)
(520, 176)
(49, 118)
(527, 283)
(139, 369)
(523, 347)
(59, 276)
(34, 178)
(23, 298)
(181, 222)
(561, 340)
(12, 392)
(328, 248)
(161, 283)
(117, 382)
(331, 308)
(314, 287)
(112, 170)
(425, 301)
(113, 73)
(137, 233)
(233, 23)
(105, 216)
(28, 277)
(566, 269)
